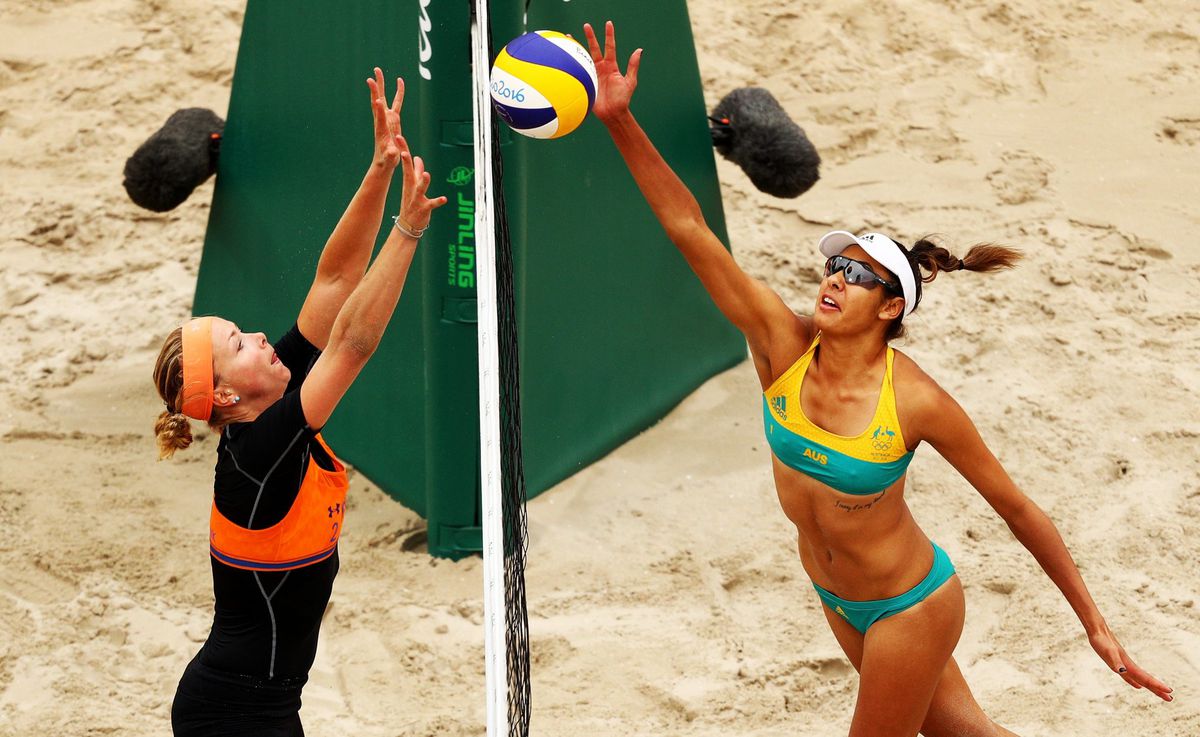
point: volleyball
(543, 84)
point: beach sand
(665, 593)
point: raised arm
(364, 316)
(943, 423)
(348, 250)
(749, 304)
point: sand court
(665, 593)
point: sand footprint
(1022, 177)
(933, 143)
(1176, 42)
(1183, 130)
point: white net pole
(495, 645)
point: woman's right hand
(387, 120)
(615, 89)
(1105, 643)
(415, 207)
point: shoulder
(279, 430)
(794, 336)
(298, 353)
(908, 376)
(789, 341)
(920, 400)
(804, 329)
(295, 341)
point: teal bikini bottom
(863, 614)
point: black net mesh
(512, 468)
(511, 464)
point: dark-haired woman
(279, 492)
(843, 413)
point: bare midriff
(858, 547)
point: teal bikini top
(864, 464)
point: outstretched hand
(415, 207)
(387, 120)
(615, 89)
(1110, 651)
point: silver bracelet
(414, 233)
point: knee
(955, 713)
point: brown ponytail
(933, 258)
(926, 255)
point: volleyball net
(602, 352)
(502, 476)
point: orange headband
(198, 369)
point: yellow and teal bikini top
(866, 464)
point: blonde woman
(279, 490)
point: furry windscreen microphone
(175, 160)
(752, 130)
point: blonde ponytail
(173, 430)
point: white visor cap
(881, 248)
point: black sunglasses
(857, 272)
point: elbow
(329, 278)
(355, 346)
(685, 227)
(361, 347)
(1024, 516)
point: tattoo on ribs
(859, 507)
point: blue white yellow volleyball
(543, 84)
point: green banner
(614, 328)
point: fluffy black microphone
(165, 169)
(752, 130)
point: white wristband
(414, 233)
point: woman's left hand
(614, 90)
(1105, 643)
(387, 120)
(415, 206)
